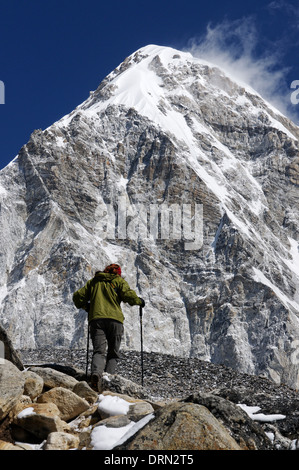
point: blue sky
(54, 53)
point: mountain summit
(189, 180)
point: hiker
(101, 298)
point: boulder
(11, 387)
(182, 426)
(40, 419)
(22, 403)
(34, 384)
(61, 441)
(69, 403)
(85, 391)
(54, 378)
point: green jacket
(105, 292)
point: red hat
(113, 269)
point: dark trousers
(106, 335)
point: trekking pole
(87, 351)
(141, 342)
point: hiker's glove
(87, 307)
(142, 302)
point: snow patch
(252, 412)
(113, 405)
(260, 277)
(26, 412)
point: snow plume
(237, 48)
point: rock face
(165, 134)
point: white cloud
(236, 47)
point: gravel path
(167, 376)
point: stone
(85, 391)
(22, 403)
(11, 387)
(61, 441)
(34, 384)
(139, 410)
(181, 426)
(40, 419)
(69, 403)
(54, 378)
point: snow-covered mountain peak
(159, 82)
